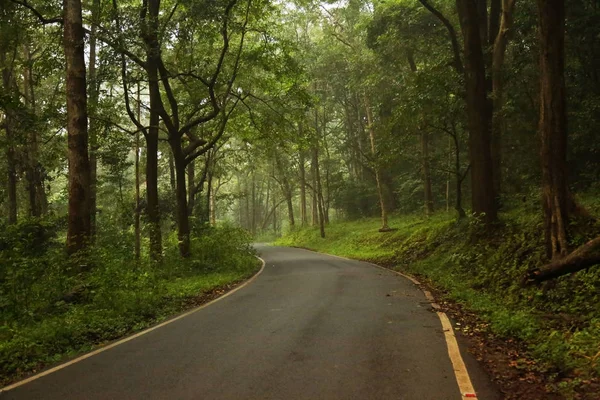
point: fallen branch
(582, 258)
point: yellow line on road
(137, 335)
(460, 369)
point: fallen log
(581, 258)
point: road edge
(134, 336)
(461, 373)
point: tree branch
(582, 258)
(457, 64)
(38, 15)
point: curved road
(310, 327)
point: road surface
(309, 327)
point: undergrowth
(49, 310)
(558, 321)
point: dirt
(507, 361)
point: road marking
(460, 369)
(461, 373)
(137, 335)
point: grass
(558, 321)
(42, 323)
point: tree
(479, 111)
(553, 127)
(79, 228)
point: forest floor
(540, 342)
(117, 300)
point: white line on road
(137, 335)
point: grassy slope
(558, 321)
(120, 298)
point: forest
(147, 144)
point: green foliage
(47, 311)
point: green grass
(41, 326)
(558, 321)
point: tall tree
(479, 112)
(93, 106)
(553, 126)
(78, 232)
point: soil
(507, 361)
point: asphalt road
(309, 327)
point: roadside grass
(558, 322)
(49, 314)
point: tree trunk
(9, 122)
(171, 172)
(136, 220)
(183, 220)
(78, 231)
(583, 257)
(303, 213)
(253, 203)
(459, 180)
(448, 175)
(153, 211)
(149, 36)
(209, 190)
(248, 219)
(137, 246)
(191, 176)
(495, 20)
(213, 207)
(382, 205)
(286, 188)
(317, 180)
(483, 198)
(315, 196)
(499, 51)
(93, 125)
(553, 126)
(426, 173)
(274, 213)
(35, 184)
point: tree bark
(93, 126)
(459, 179)
(210, 169)
(303, 213)
(35, 184)
(287, 191)
(253, 203)
(78, 228)
(495, 20)
(483, 198)
(191, 176)
(317, 203)
(582, 258)
(553, 126)
(428, 195)
(315, 196)
(183, 221)
(171, 172)
(149, 35)
(136, 220)
(153, 211)
(382, 205)
(9, 125)
(499, 51)
(213, 207)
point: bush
(49, 310)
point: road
(310, 326)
